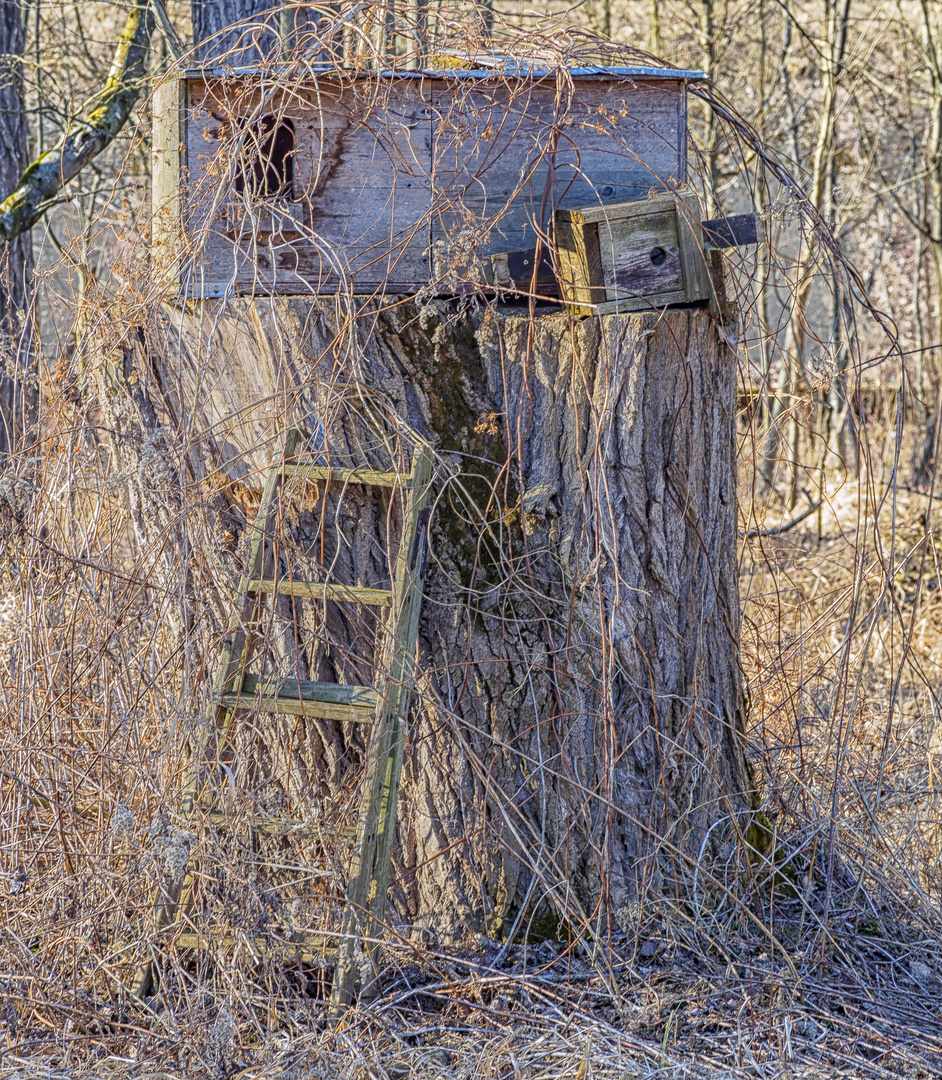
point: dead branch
(85, 138)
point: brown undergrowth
(814, 952)
(808, 948)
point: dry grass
(819, 958)
(671, 1019)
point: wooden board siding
(370, 203)
(626, 245)
(361, 190)
(497, 147)
(403, 183)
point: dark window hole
(658, 255)
(266, 167)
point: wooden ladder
(386, 704)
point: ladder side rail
(376, 824)
(397, 705)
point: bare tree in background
(17, 377)
(219, 27)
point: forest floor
(662, 1019)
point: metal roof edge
(481, 74)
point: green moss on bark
(464, 420)
(85, 139)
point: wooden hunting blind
(567, 184)
(399, 182)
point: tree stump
(576, 736)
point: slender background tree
(18, 379)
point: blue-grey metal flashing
(299, 73)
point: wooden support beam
(315, 590)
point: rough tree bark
(223, 29)
(243, 33)
(17, 379)
(577, 734)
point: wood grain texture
(582, 278)
(647, 253)
(360, 193)
(358, 697)
(401, 184)
(168, 165)
(315, 590)
(693, 254)
(642, 257)
(508, 155)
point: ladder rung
(355, 476)
(354, 594)
(282, 827)
(316, 710)
(305, 951)
(298, 697)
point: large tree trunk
(576, 735)
(18, 393)
(247, 32)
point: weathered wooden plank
(508, 155)
(737, 230)
(697, 280)
(168, 168)
(283, 221)
(369, 192)
(513, 270)
(299, 697)
(315, 590)
(353, 476)
(641, 256)
(361, 697)
(289, 706)
(320, 954)
(582, 280)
